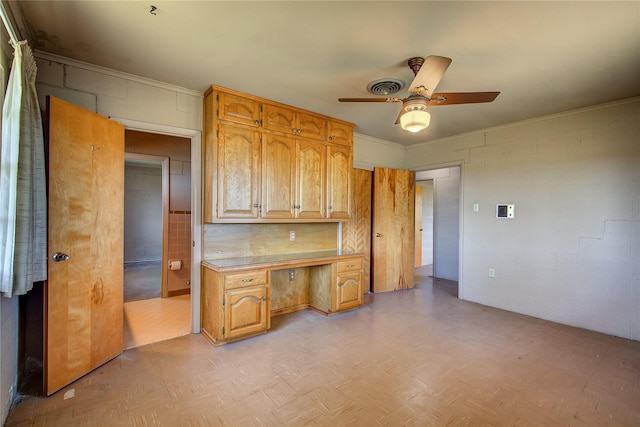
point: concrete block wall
(113, 94)
(572, 253)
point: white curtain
(23, 205)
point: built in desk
(240, 295)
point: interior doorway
(441, 222)
(158, 236)
(146, 219)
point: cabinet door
(238, 172)
(278, 176)
(339, 182)
(311, 126)
(339, 133)
(238, 109)
(348, 292)
(278, 118)
(311, 168)
(246, 311)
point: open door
(393, 224)
(83, 297)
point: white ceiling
(544, 57)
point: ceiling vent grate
(385, 86)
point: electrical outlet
(292, 235)
(492, 272)
(292, 275)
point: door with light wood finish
(339, 182)
(393, 235)
(83, 324)
(278, 176)
(238, 172)
(418, 227)
(311, 158)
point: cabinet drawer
(349, 265)
(241, 280)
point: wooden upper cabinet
(269, 162)
(339, 182)
(339, 133)
(278, 176)
(238, 172)
(293, 122)
(311, 126)
(238, 109)
(311, 158)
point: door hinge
(223, 330)
(224, 301)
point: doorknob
(378, 235)
(59, 256)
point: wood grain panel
(356, 233)
(320, 283)
(240, 240)
(84, 295)
(393, 235)
(289, 295)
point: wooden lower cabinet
(336, 287)
(245, 312)
(234, 305)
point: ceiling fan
(428, 72)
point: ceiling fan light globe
(415, 120)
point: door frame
(164, 162)
(460, 219)
(196, 201)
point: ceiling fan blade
(429, 75)
(370, 99)
(449, 98)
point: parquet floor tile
(416, 357)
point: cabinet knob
(264, 297)
(330, 207)
(330, 138)
(255, 205)
(257, 121)
(378, 235)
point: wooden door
(84, 295)
(339, 182)
(238, 172)
(278, 176)
(418, 226)
(311, 158)
(393, 223)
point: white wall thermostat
(506, 211)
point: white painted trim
(119, 74)
(196, 202)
